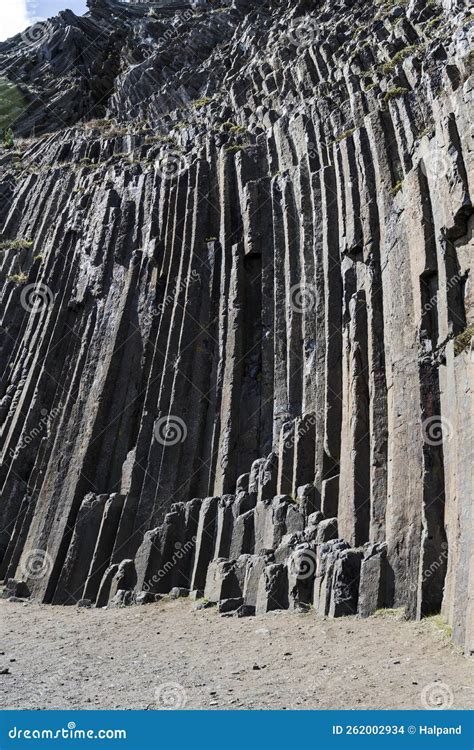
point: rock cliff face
(237, 306)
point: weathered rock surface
(237, 307)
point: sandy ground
(171, 655)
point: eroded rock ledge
(237, 307)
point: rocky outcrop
(237, 307)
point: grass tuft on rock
(390, 66)
(15, 245)
(462, 342)
(391, 614)
(393, 93)
(202, 102)
(441, 626)
(19, 278)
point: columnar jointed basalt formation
(237, 306)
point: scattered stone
(17, 589)
(229, 605)
(205, 605)
(246, 610)
(146, 597)
(121, 599)
(178, 593)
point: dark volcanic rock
(237, 305)
(373, 580)
(230, 605)
(273, 589)
(18, 589)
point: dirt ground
(170, 655)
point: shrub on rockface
(463, 341)
(12, 104)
